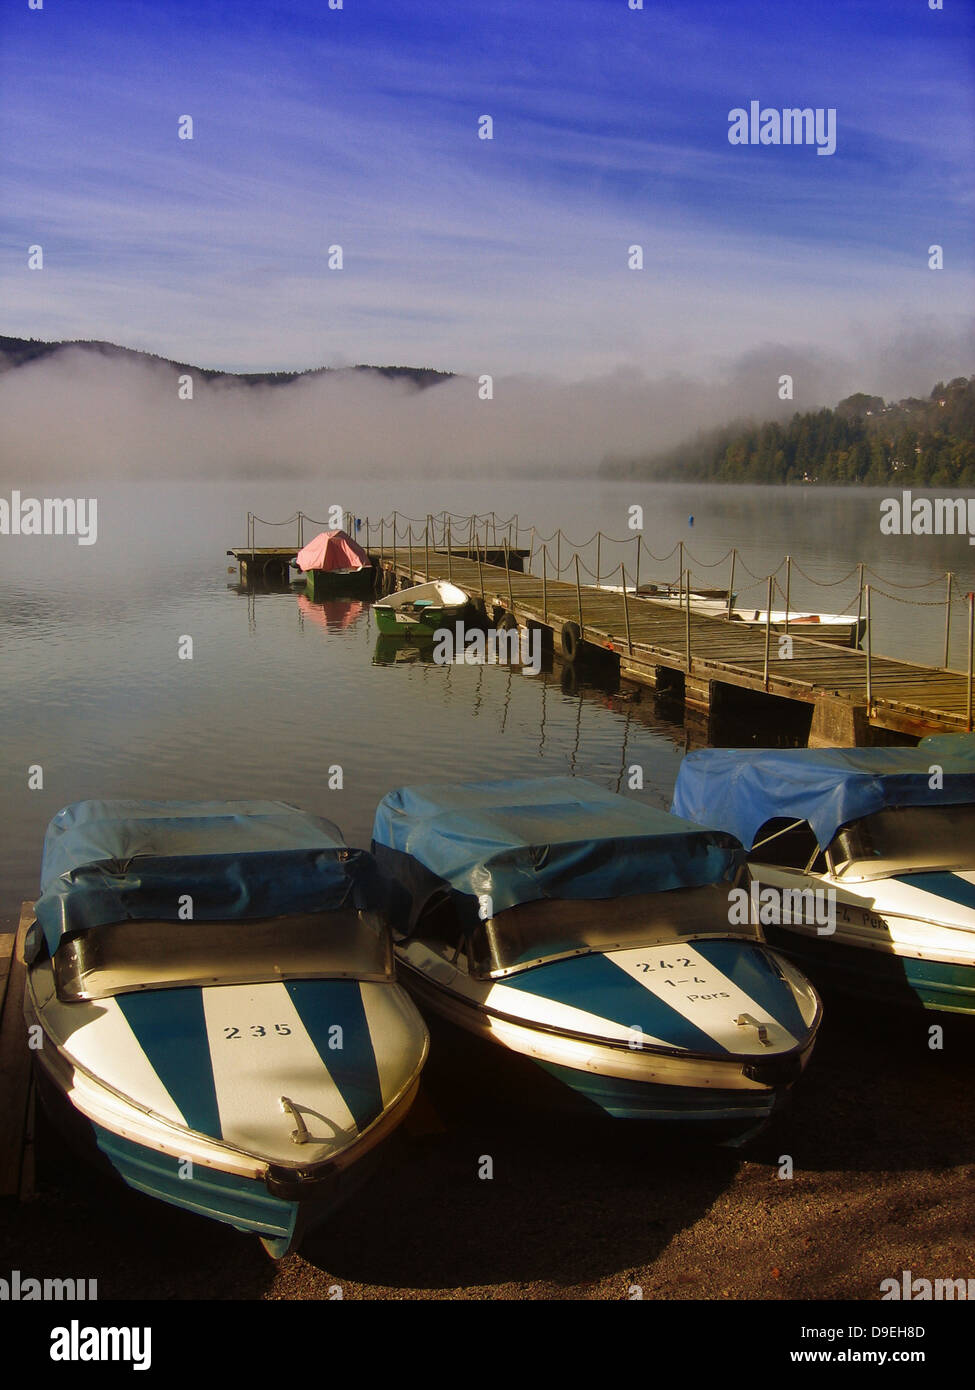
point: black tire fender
(571, 641)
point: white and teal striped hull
(907, 939)
(183, 1089)
(659, 1043)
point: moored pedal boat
(591, 934)
(221, 1024)
(422, 610)
(333, 563)
(887, 835)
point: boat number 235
(257, 1030)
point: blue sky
(359, 127)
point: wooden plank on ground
(14, 1066)
(7, 940)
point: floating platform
(264, 564)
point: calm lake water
(278, 691)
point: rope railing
(469, 531)
(558, 554)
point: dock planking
(16, 1090)
(649, 638)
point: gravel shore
(880, 1134)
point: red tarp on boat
(332, 550)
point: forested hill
(22, 352)
(921, 443)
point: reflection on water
(278, 691)
(336, 613)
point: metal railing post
(382, 540)
(626, 611)
(507, 566)
(301, 529)
(731, 583)
(788, 589)
(411, 552)
(558, 553)
(582, 627)
(680, 566)
(869, 652)
(426, 546)
(639, 547)
(971, 653)
(768, 628)
(599, 547)
(545, 582)
(687, 618)
(948, 577)
(859, 597)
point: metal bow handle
(746, 1021)
(299, 1135)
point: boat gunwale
(729, 1059)
(65, 1064)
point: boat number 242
(683, 963)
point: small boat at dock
(214, 986)
(333, 563)
(884, 836)
(842, 629)
(591, 934)
(423, 610)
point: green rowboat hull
(396, 624)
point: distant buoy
(690, 521)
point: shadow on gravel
(571, 1201)
(84, 1225)
(877, 1097)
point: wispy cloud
(315, 127)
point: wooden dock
(271, 564)
(702, 658)
(264, 564)
(16, 1088)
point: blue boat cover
(740, 789)
(522, 840)
(110, 861)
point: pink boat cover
(332, 550)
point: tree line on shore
(913, 443)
